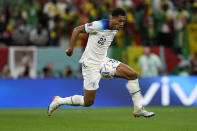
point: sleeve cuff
(85, 28)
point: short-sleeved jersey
(100, 38)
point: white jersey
(100, 38)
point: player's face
(119, 22)
(147, 51)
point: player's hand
(69, 52)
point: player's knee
(133, 75)
(88, 102)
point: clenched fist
(69, 52)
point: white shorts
(92, 74)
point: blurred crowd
(50, 23)
(47, 72)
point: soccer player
(95, 64)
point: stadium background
(34, 67)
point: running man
(96, 64)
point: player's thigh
(91, 84)
(91, 79)
(126, 72)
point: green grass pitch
(99, 119)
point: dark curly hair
(118, 12)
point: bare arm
(74, 36)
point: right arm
(74, 36)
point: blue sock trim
(71, 99)
(135, 92)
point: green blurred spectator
(30, 10)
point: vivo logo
(165, 93)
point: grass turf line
(99, 119)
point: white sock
(76, 100)
(135, 92)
